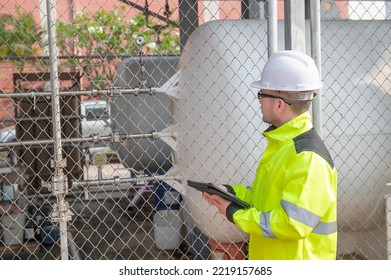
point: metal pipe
(188, 19)
(72, 247)
(91, 139)
(118, 181)
(110, 92)
(388, 219)
(316, 54)
(137, 196)
(272, 27)
(66, 57)
(74, 193)
(54, 83)
(26, 143)
(46, 118)
(59, 188)
(294, 23)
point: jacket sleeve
(241, 191)
(308, 192)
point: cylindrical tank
(143, 113)
(218, 136)
(219, 118)
(356, 117)
(218, 121)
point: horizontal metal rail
(94, 92)
(119, 181)
(97, 189)
(73, 57)
(48, 118)
(92, 139)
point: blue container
(49, 234)
(166, 197)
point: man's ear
(280, 105)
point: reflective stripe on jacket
(293, 197)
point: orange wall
(66, 8)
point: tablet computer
(212, 189)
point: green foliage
(100, 35)
(20, 36)
(112, 33)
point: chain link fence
(108, 108)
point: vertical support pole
(59, 185)
(253, 9)
(294, 24)
(388, 219)
(316, 54)
(245, 9)
(43, 18)
(188, 19)
(272, 27)
(294, 12)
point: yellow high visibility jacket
(293, 196)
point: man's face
(268, 108)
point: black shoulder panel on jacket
(310, 141)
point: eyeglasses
(264, 95)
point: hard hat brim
(256, 84)
(262, 85)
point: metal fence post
(316, 54)
(61, 213)
(388, 219)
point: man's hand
(220, 203)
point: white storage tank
(218, 132)
(219, 122)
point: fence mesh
(96, 151)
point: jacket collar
(289, 130)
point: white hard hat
(291, 71)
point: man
(294, 194)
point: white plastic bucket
(167, 229)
